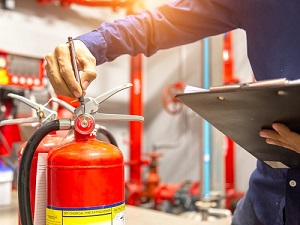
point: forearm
(167, 26)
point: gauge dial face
(84, 124)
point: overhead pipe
(100, 3)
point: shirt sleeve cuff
(95, 42)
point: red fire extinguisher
(51, 140)
(85, 177)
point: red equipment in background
(134, 187)
(228, 77)
(172, 198)
(20, 71)
(153, 178)
(170, 102)
(17, 72)
(9, 134)
(168, 197)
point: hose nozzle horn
(44, 114)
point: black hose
(106, 133)
(24, 170)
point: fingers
(282, 136)
(86, 62)
(52, 69)
(279, 143)
(87, 77)
(285, 132)
(63, 56)
(60, 71)
(271, 134)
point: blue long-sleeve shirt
(272, 28)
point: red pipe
(228, 78)
(136, 128)
(104, 3)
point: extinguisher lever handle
(26, 101)
(92, 106)
(63, 104)
(116, 117)
(19, 121)
(43, 113)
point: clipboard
(240, 111)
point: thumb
(87, 77)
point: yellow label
(3, 77)
(53, 217)
(105, 215)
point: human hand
(282, 136)
(60, 71)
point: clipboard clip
(272, 82)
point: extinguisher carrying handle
(92, 105)
(116, 117)
(25, 165)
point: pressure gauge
(84, 124)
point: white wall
(32, 29)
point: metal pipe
(206, 131)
